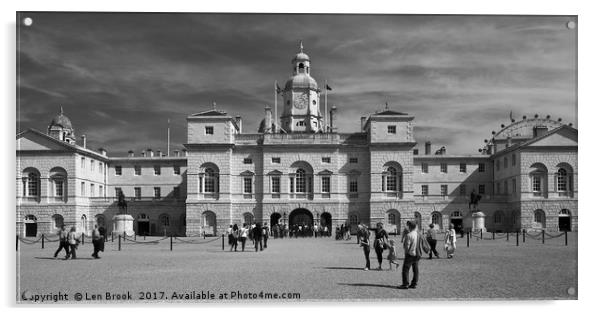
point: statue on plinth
(123, 205)
(474, 201)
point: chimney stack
(443, 150)
(84, 141)
(176, 153)
(427, 148)
(102, 151)
(149, 152)
(238, 120)
(267, 126)
(333, 111)
(184, 153)
(159, 154)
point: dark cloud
(119, 77)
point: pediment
(31, 141)
(562, 137)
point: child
(392, 255)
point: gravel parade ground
(306, 268)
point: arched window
(210, 181)
(143, 217)
(58, 221)
(31, 183)
(392, 219)
(564, 212)
(353, 219)
(58, 183)
(418, 220)
(436, 219)
(84, 223)
(562, 180)
(539, 218)
(498, 217)
(164, 220)
(248, 218)
(391, 179)
(538, 177)
(300, 181)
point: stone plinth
(478, 222)
(123, 223)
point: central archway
(301, 217)
(275, 219)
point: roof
(211, 113)
(389, 112)
(536, 139)
(66, 145)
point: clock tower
(301, 97)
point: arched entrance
(208, 223)
(418, 220)
(456, 221)
(326, 221)
(564, 220)
(301, 217)
(393, 224)
(143, 225)
(275, 219)
(31, 226)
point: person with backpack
(97, 238)
(63, 243)
(235, 236)
(257, 233)
(266, 234)
(73, 243)
(244, 234)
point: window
(157, 170)
(91, 189)
(83, 163)
(562, 180)
(425, 167)
(425, 190)
(210, 180)
(92, 165)
(391, 220)
(247, 161)
(300, 181)
(275, 184)
(391, 179)
(157, 192)
(275, 159)
(505, 186)
(137, 193)
(176, 192)
(325, 184)
(100, 167)
(301, 123)
(117, 170)
(176, 170)
(505, 162)
(463, 167)
(353, 159)
(391, 129)
(444, 190)
(462, 189)
(164, 219)
(58, 187)
(536, 184)
(353, 219)
(325, 159)
(444, 167)
(513, 186)
(117, 192)
(83, 188)
(498, 217)
(353, 185)
(481, 189)
(101, 191)
(247, 185)
(539, 216)
(513, 160)
(481, 167)
(208, 130)
(137, 170)
(33, 184)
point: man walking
(266, 234)
(96, 239)
(63, 243)
(410, 247)
(431, 234)
(257, 234)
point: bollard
(17, 242)
(566, 239)
(119, 242)
(111, 236)
(144, 237)
(42, 241)
(481, 233)
(543, 236)
(134, 236)
(203, 234)
(493, 235)
(468, 240)
(517, 238)
(171, 243)
(83, 238)
(523, 236)
(223, 245)
(507, 235)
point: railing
(301, 138)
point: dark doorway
(301, 217)
(31, 229)
(564, 223)
(274, 218)
(457, 223)
(143, 228)
(326, 221)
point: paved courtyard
(316, 269)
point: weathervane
(301, 46)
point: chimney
(143, 154)
(539, 130)
(131, 153)
(102, 151)
(238, 121)
(83, 141)
(159, 154)
(442, 150)
(508, 141)
(176, 153)
(489, 148)
(427, 148)
(184, 153)
(362, 123)
(333, 111)
(267, 126)
(149, 152)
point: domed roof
(61, 120)
(301, 56)
(301, 81)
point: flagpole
(276, 129)
(168, 137)
(326, 106)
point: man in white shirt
(410, 244)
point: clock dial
(301, 101)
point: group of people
(343, 232)
(70, 241)
(414, 244)
(300, 230)
(256, 232)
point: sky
(121, 77)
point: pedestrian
(251, 230)
(96, 239)
(73, 242)
(326, 231)
(235, 236)
(63, 242)
(230, 236)
(450, 242)
(257, 237)
(103, 237)
(316, 230)
(410, 244)
(392, 257)
(431, 238)
(381, 240)
(244, 233)
(364, 235)
(266, 234)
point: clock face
(301, 102)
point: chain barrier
(535, 236)
(555, 236)
(197, 242)
(30, 242)
(150, 242)
(50, 240)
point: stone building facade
(298, 169)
